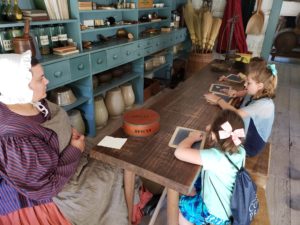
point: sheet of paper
(112, 142)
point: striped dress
(31, 169)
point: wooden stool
(258, 166)
(262, 216)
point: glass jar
(2, 8)
(62, 36)
(1, 40)
(53, 36)
(14, 32)
(6, 41)
(44, 41)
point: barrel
(286, 40)
(197, 61)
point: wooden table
(151, 157)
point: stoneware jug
(101, 114)
(128, 95)
(76, 120)
(114, 102)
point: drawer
(157, 44)
(99, 62)
(57, 73)
(114, 57)
(129, 52)
(79, 66)
(148, 51)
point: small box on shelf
(145, 3)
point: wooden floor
(283, 188)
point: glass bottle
(62, 36)
(15, 12)
(2, 32)
(53, 36)
(5, 11)
(44, 41)
(2, 9)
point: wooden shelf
(114, 83)
(78, 102)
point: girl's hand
(192, 193)
(196, 135)
(208, 128)
(232, 93)
(212, 98)
(222, 78)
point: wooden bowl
(104, 77)
(141, 122)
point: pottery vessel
(76, 120)
(101, 114)
(128, 95)
(114, 102)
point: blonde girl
(257, 108)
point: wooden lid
(141, 117)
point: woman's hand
(75, 133)
(77, 140)
(212, 98)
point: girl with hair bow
(203, 206)
(257, 108)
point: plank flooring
(283, 188)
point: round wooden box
(141, 122)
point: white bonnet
(15, 77)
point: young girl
(257, 108)
(213, 189)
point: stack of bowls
(62, 96)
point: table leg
(172, 207)
(129, 179)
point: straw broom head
(188, 12)
(198, 28)
(206, 27)
(216, 24)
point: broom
(216, 24)
(188, 12)
(206, 27)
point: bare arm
(216, 100)
(184, 151)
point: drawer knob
(99, 61)
(58, 74)
(115, 57)
(128, 52)
(80, 66)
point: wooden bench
(262, 216)
(259, 166)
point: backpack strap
(219, 198)
(235, 166)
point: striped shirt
(31, 169)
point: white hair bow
(235, 135)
